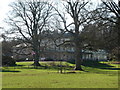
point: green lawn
(27, 77)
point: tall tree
(100, 35)
(30, 18)
(114, 8)
(79, 15)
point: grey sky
(4, 9)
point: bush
(72, 61)
(19, 60)
(90, 62)
(6, 60)
(48, 59)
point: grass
(23, 76)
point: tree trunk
(78, 49)
(78, 59)
(37, 54)
(78, 56)
(36, 59)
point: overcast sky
(4, 8)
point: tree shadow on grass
(96, 64)
(9, 71)
(111, 68)
(13, 66)
(20, 65)
(51, 66)
(26, 67)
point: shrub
(48, 59)
(7, 60)
(19, 60)
(72, 61)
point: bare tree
(114, 8)
(79, 15)
(30, 18)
